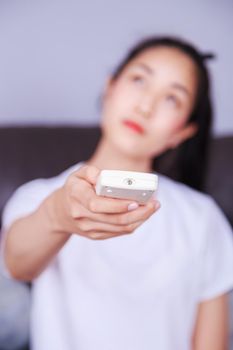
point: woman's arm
(32, 241)
(211, 329)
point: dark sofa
(31, 152)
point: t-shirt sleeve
(217, 256)
(28, 197)
(24, 201)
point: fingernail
(133, 206)
(157, 205)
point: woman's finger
(85, 194)
(87, 226)
(143, 212)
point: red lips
(134, 126)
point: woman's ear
(184, 134)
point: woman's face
(146, 109)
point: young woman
(108, 273)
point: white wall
(56, 54)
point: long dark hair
(187, 163)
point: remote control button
(129, 181)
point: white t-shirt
(137, 291)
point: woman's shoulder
(194, 216)
(41, 185)
(171, 188)
(190, 203)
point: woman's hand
(79, 210)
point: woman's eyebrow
(144, 67)
(181, 88)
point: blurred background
(56, 54)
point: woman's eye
(172, 100)
(138, 79)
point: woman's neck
(106, 156)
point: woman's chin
(130, 147)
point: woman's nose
(145, 106)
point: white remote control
(137, 186)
